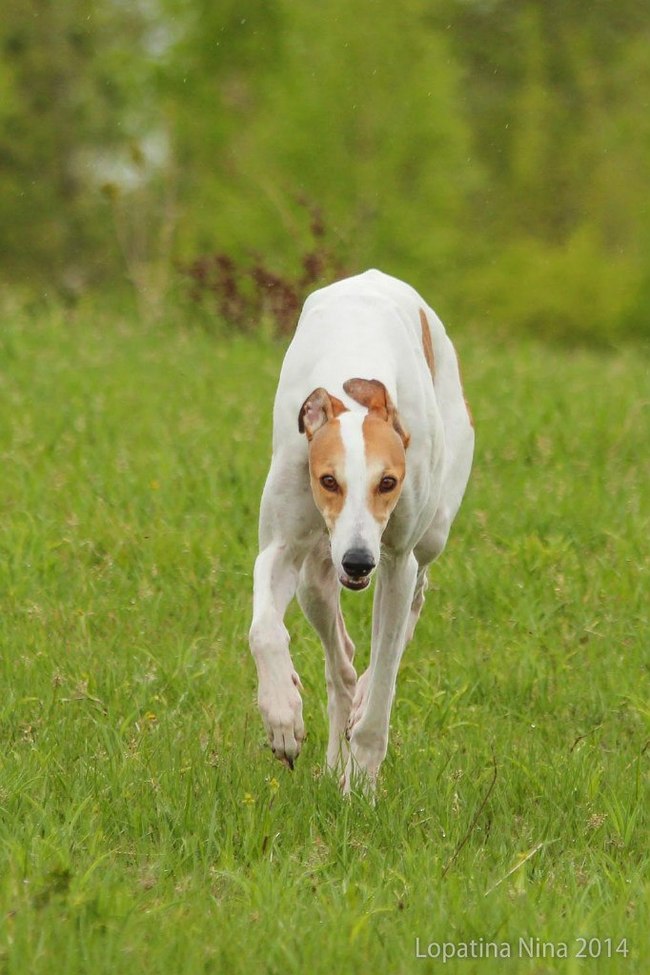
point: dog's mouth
(356, 585)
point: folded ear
(374, 396)
(318, 408)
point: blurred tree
(67, 82)
(558, 106)
(209, 78)
(359, 115)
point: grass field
(144, 826)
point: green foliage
(570, 291)
(363, 118)
(67, 83)
(143, 822)
(557, 110)
(495, 153)
(209, 77)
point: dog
(372, 450)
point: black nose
(358, 562)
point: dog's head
(357, 465)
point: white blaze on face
(355, 528)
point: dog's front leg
(275, 580)
(371, 718)
(318, 595)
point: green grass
(144, 826)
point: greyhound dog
(372, 449)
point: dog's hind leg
(275, 577)
(318, 595)
(421, 586)
(427, 551)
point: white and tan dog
(372, 449)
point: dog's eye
(387, 484)
(329, 483)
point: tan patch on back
(427, 344)
(385, 457)
(327, 456)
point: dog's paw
(281, 710)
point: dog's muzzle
(357, 563)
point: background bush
(495, 153)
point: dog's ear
(318, 408)
(374, 395)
